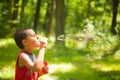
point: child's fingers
(45, 69)
(44, 40)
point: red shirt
(25, 73)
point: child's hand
(44, 69)
(43, 43)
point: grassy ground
(64, 63)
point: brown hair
(19, 36)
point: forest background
(89, 45)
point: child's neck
(27, 50)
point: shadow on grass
(112, 75)
(60, 55)
(8, 54)
(83, 63)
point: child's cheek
(36, 42)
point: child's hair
(19, 36)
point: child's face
(32, 40)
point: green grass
(65, 63)
(8, 52)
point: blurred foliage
(99, 12)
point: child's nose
(37, 37)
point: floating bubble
(61, 38)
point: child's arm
(38, 63)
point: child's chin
(38, 46)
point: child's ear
(24, 42)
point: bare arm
(38, 63)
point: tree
(49, 16)
(50, 21)
(5, 17)
(88, 9)
(23, 8)
(115, 10)
(60, 17)
(37, 14)
(15, 14)
(6, 10)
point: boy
(29, 67)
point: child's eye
(33, 36)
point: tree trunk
(5, 17)
(6, 11)
(15, 14)
(60, 17)
(115, 6)
(51, 15)
(88, 9)
(22, 8)
(37, 14)
(15, 11)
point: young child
(29, 67)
